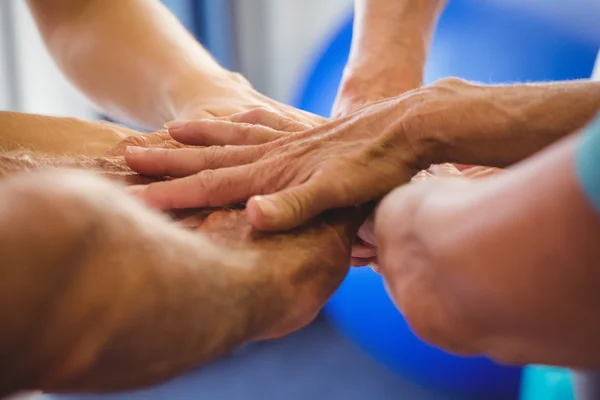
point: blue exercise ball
(362, 310)
(477, 41)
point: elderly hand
(356, 159)
(346, 162)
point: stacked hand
(365, 250)
(299, 171)
(315, 169)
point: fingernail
(135, 150)
(172, 125)
(266, 206)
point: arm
(124, 298)
(136, 61)
(53, 135)
(389, 48)
(506, 266)
(499, 125)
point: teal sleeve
(588, 163)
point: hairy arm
(124, 297)
(498, 125)
(58, 136)
(389, 48)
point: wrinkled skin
(263, 285)
(328, 238)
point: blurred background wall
(269, 41)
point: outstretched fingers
(209, 188)
(210, 132)
(188, 161)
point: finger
(481, 172)
(187, 161)
(422, 176)
(462, 167)
(143, 140)
(445, 171)
(210, 188)
(294, 206)
(375, 266)
(209, 132)
(271, 119)
(360, 262)
(361, 249)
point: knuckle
(239, 78)
(204, 180)
(243, 131)
(260, 112)
(212, 156)
(167, 155)
(296, 206)
(138, 141)
(451, 82)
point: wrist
(193, 97)
(446, 120)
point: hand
(156, 139)
(484, 268)
(238, 96)
(350, 161)
(319, 251)
(364, 250)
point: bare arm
(137, 62)
(53, 135)
(389, 48)
(497, 125)
(124, 298)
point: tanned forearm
(112, 291)
(133, 58)
(497, 125)
(124, 298)
(57, 136)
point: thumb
(286, 209)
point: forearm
(58, 136)
(133, 58)
(117, 289)
(499, 125)
(138, 293)
(390, 45)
